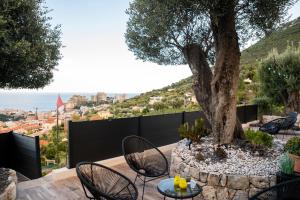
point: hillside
(288, 33)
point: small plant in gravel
(199, 156)
(195, 132)
(286, 164)
(259, 139)
(220, 153)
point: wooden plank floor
(70, 188)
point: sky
(95, 55)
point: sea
(29, 101)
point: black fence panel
(27, 155)
(5, 150)
(247, 113)
(102, 139)
(190, 117)
(98, 140)
(21, 153)
(161, 129)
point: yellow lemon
(176, 180)
(183, 184)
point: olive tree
(280, 80)
(206, 35)
(29, 45)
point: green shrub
(279, 76)
(199, 156)
(258, 138)
(220, 153)
(159, 106)
(293, 146)
(264, 105)
(286, 164)
(194, 132)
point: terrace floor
(65, 185)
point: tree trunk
(202, 76)
(226, 75)
(293, 104)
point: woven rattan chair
(288, 190)
(145, 159)
(284, 123)
(105, 183)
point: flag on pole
(59, 104)
(59, 108)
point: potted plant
(286, 168)
(293, 148)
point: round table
(166, 188)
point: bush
(293, 146)
(194, 132)
(264, 105)
(286, 164)
(279, 77)
(159, 106)
(258, 138)
(220, 153)
(199, 157)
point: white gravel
(238, 161)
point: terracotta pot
(296, 162)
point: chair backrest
(293, 115)
(287, 190)
(104, 182)
(140, 154)
(289, 121)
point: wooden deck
(50, 188)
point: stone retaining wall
(218, 186)
(10, 191)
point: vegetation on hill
(287, 34)
(5, 118)
(176, 97)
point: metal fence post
(38, 156)
(139, 129)
(69, 156)
(183, 117)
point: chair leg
(135, 178)
(144, 187)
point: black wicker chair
(284, 123)
(289, 190)
(145, 159)
(105, 183)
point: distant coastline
(29, 101)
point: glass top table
(166, 188)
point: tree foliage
(279, 76)
(157, 31)
(29, 45)
(57, 147)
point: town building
(154, 100)
(78, 100)
(120, 98)
(99, 98)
